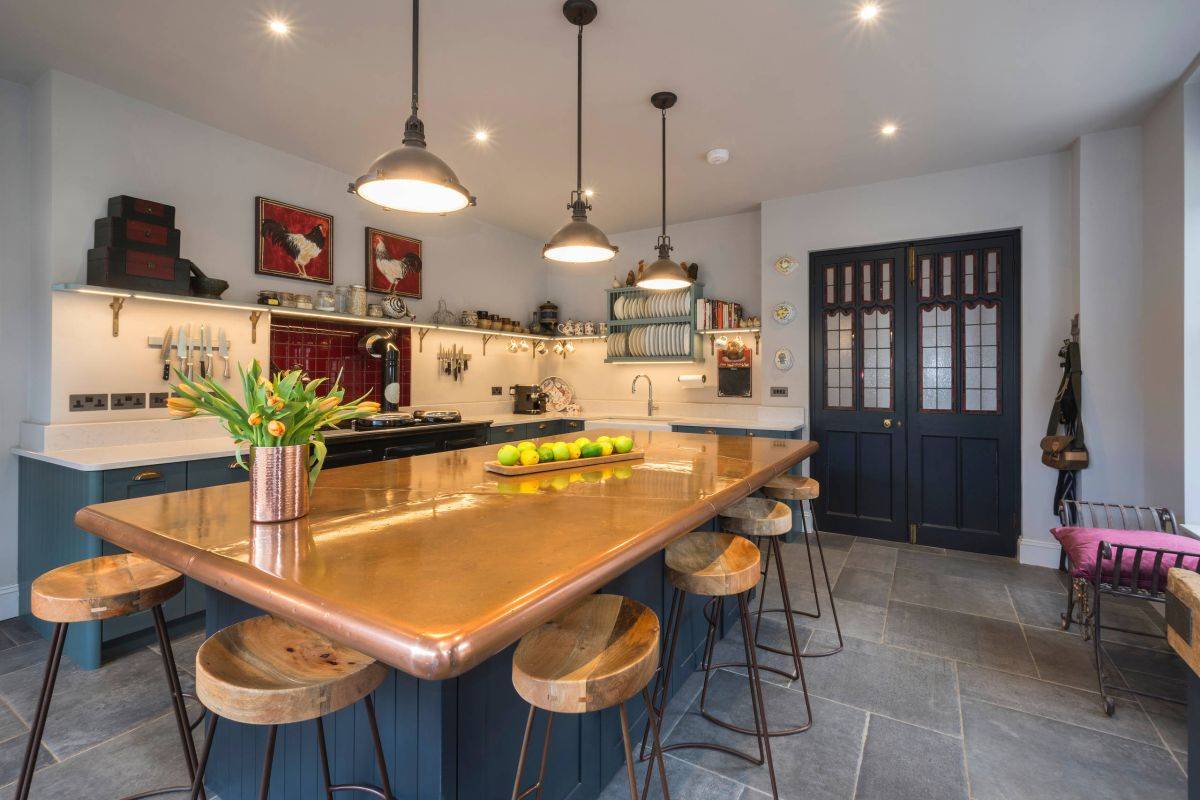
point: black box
(142, 210)
(134, 234)
(121, 268)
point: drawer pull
(510, 430)
(710, 430)
(542, 427)
(749, 433)
(148, 475)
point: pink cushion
(1082, 546)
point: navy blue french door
(915, 370)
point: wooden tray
(550, 466)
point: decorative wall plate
(786, 265)
(783, 359)
(784, 312)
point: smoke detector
(718, 155)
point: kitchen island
(437, 568)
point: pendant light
(579, 241)
(664, 273)
(410, 178)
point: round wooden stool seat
(713, 564)
(757, 516)
(102, 588)
(792, 487)
(267, 671)
(601, 652)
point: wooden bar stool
(97, 589)
(596, 655)
(765, 521)
(716, 565)
(267, 671)
(804, 490)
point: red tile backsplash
(323, 348)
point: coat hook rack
(115, 305)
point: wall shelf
(695, 350)
(713, 333)
(256, 310)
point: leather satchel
(1066, 451)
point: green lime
(591, 450)
(546, 453)
(508, 455)
(623, 444)
(561, 452)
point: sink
(632, 423)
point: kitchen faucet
(650, 398)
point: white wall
(95, 143)
(1163, 301)
(1191, 295)
(1110, 312)
(15, 255)
(1032, 194)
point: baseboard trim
(1038, 553)
(9, 605)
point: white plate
(784, 313)
(786, 265)
(783, 359)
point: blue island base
(456, 739)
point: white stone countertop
(91, 459)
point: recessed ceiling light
(868, 12)
(278, 26)
(481, 135)
(889, 129)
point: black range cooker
(398, 435)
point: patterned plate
(786, 265)
(783, 359)
(784, 312)
(559, 393)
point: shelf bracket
(712, 344)
(115, 305)
(255, 316)
(487, 337)
(421, 332)
(757, 341)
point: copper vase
(278, 483)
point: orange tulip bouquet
(281, 420)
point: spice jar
(356, 300)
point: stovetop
(405, 420)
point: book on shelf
(717, 314)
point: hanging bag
(1066, 451)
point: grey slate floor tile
(1044, 609)
(773, 633)
(12, 753)
(863, 586)
(902, 684)
(1062, 703)
(903, 761)
(1011, 754)
(953, 593)
(964, 637)
(15, 631)
(1067, 659)
(684, 779)
(24, 655)
(872, 556)
(859, 620)
(185, 648)
(1006, 571)
(10, 725)
(92, 706)
(1140, 659)
(834, 744)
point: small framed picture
(292, 242)
(393, 263)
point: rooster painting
(294, 242)
(393, 263)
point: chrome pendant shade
(410, 178)
(579, 241)
(664, 273)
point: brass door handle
(887, 423)
(148, 475)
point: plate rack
(694, 353)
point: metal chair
(1111, 563)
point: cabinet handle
(510, 430)
(148, 475)
(749, 433)
(709, 430)
(542, 427)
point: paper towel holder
(693, 380)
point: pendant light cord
(416, 6)
(664, 173)
(579, 116)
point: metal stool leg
(198, 781)
(264, 787)
(43, 709)
(323, 752)
(760, 715)
(537, 787)
(662, 679)
(654, 720)
(384, 792)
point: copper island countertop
(431, 564)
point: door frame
(815, 342)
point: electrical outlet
(159, 399)
(497, 391)
(779, 391)
(88, 402)
(124, 402)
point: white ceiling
(796, 89)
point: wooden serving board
(550, 466)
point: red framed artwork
(292, 242)
(393, 263)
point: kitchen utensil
(223, 349)
(180, 339)
(187, 353)
(166, 354)
(202, 355)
